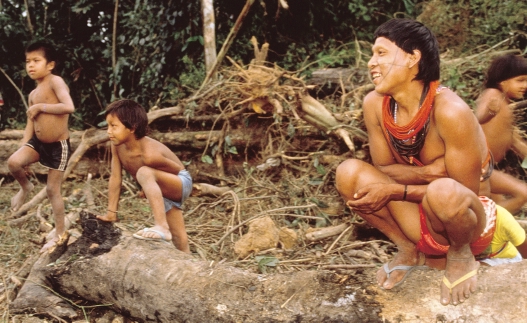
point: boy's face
(37, 66)
(117, 132)
(514, 88)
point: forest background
(153, 52)
(159, 56)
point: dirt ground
(301, 205)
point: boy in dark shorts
(154, 166)
(46, 136)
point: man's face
(388, 64)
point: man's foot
(394, 273)
(18, 200)
(155, 233)
(460, 280)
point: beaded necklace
(408, 140)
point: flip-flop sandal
(161, 235)
(450, 285)
(388, 271)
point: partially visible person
(508, 243)
(505, 83)
(162, 176)
(46, 136)
(423, 190)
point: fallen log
(152, 281)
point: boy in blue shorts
(154, 166)
(46, 136)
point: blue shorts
(54, 155)
(186, 189)
(501, 261)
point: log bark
(151, 281)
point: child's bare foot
(108, 217)
(460, 279)
(18, 200)
(50, 244)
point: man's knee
(447, 197)
(346, 171)
(348, 168)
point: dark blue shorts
(54, 155)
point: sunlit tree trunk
(209, 33)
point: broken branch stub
(316, 113)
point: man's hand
(371, 198)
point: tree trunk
(153, 282)
(209, 33)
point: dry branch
(326, 232)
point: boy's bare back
(50, 126)
(148, 152)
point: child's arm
(64, 106)
(29, 131)
(489, 105)
(114, 187)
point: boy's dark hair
(50, 54)
(131, 114)
(409, 35)
(503, 68)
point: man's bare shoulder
(373, 97)
(452, 116)
(449, 105)
(372, 100)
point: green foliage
(266, 261)
(468, 28)
(159, 45)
